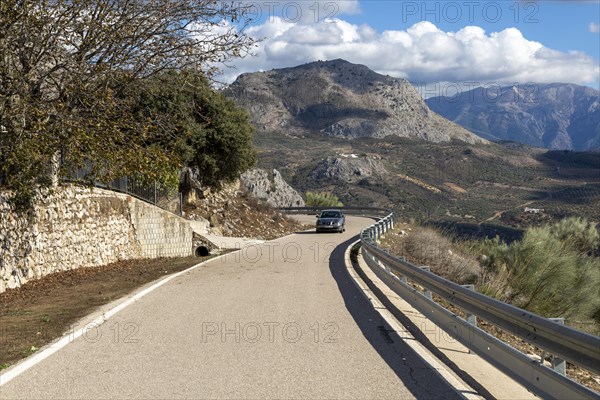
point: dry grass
(426, 246)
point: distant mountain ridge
(342, 100)
(555, 116)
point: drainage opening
(202, 251)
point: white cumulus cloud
(594, 27)
(421, 53)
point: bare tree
(65, 64)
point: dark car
(331, 221)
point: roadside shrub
(551, 271)
(577, 232)
(314, 199)
(495, 277)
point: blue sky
(429, 42)
(561, 25)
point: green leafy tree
(66, 65)
(209, 132)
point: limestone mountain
(555, 116)
(342, 100)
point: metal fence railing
(563, 342)
(153, 193)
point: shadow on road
(418, 377)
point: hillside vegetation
(473, 185)
(554, 270)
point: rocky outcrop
(348, 169)
(555, 116)
(340, 99)
(236, 213)
(271, 188)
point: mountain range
(340, 128)
(555, 116)
(341, 100)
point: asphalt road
(279, 320)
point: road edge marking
(460, 387)
(70, 337)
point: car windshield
(331, 214)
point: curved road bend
(279, 320)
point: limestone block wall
(160, 233)
(76, 227)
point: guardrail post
(558, 364)
(471, 318)
(426, 292)
(382, 265)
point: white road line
(18, 369)
(70, 337)
(436, 365)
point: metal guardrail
(564, 342)
(372, 211)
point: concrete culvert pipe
(202, 251)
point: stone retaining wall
(73, 227)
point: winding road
(278, 320)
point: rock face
(233, 211)
(271, 187)
(348, 169)
(555, 116)
(340, 99)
